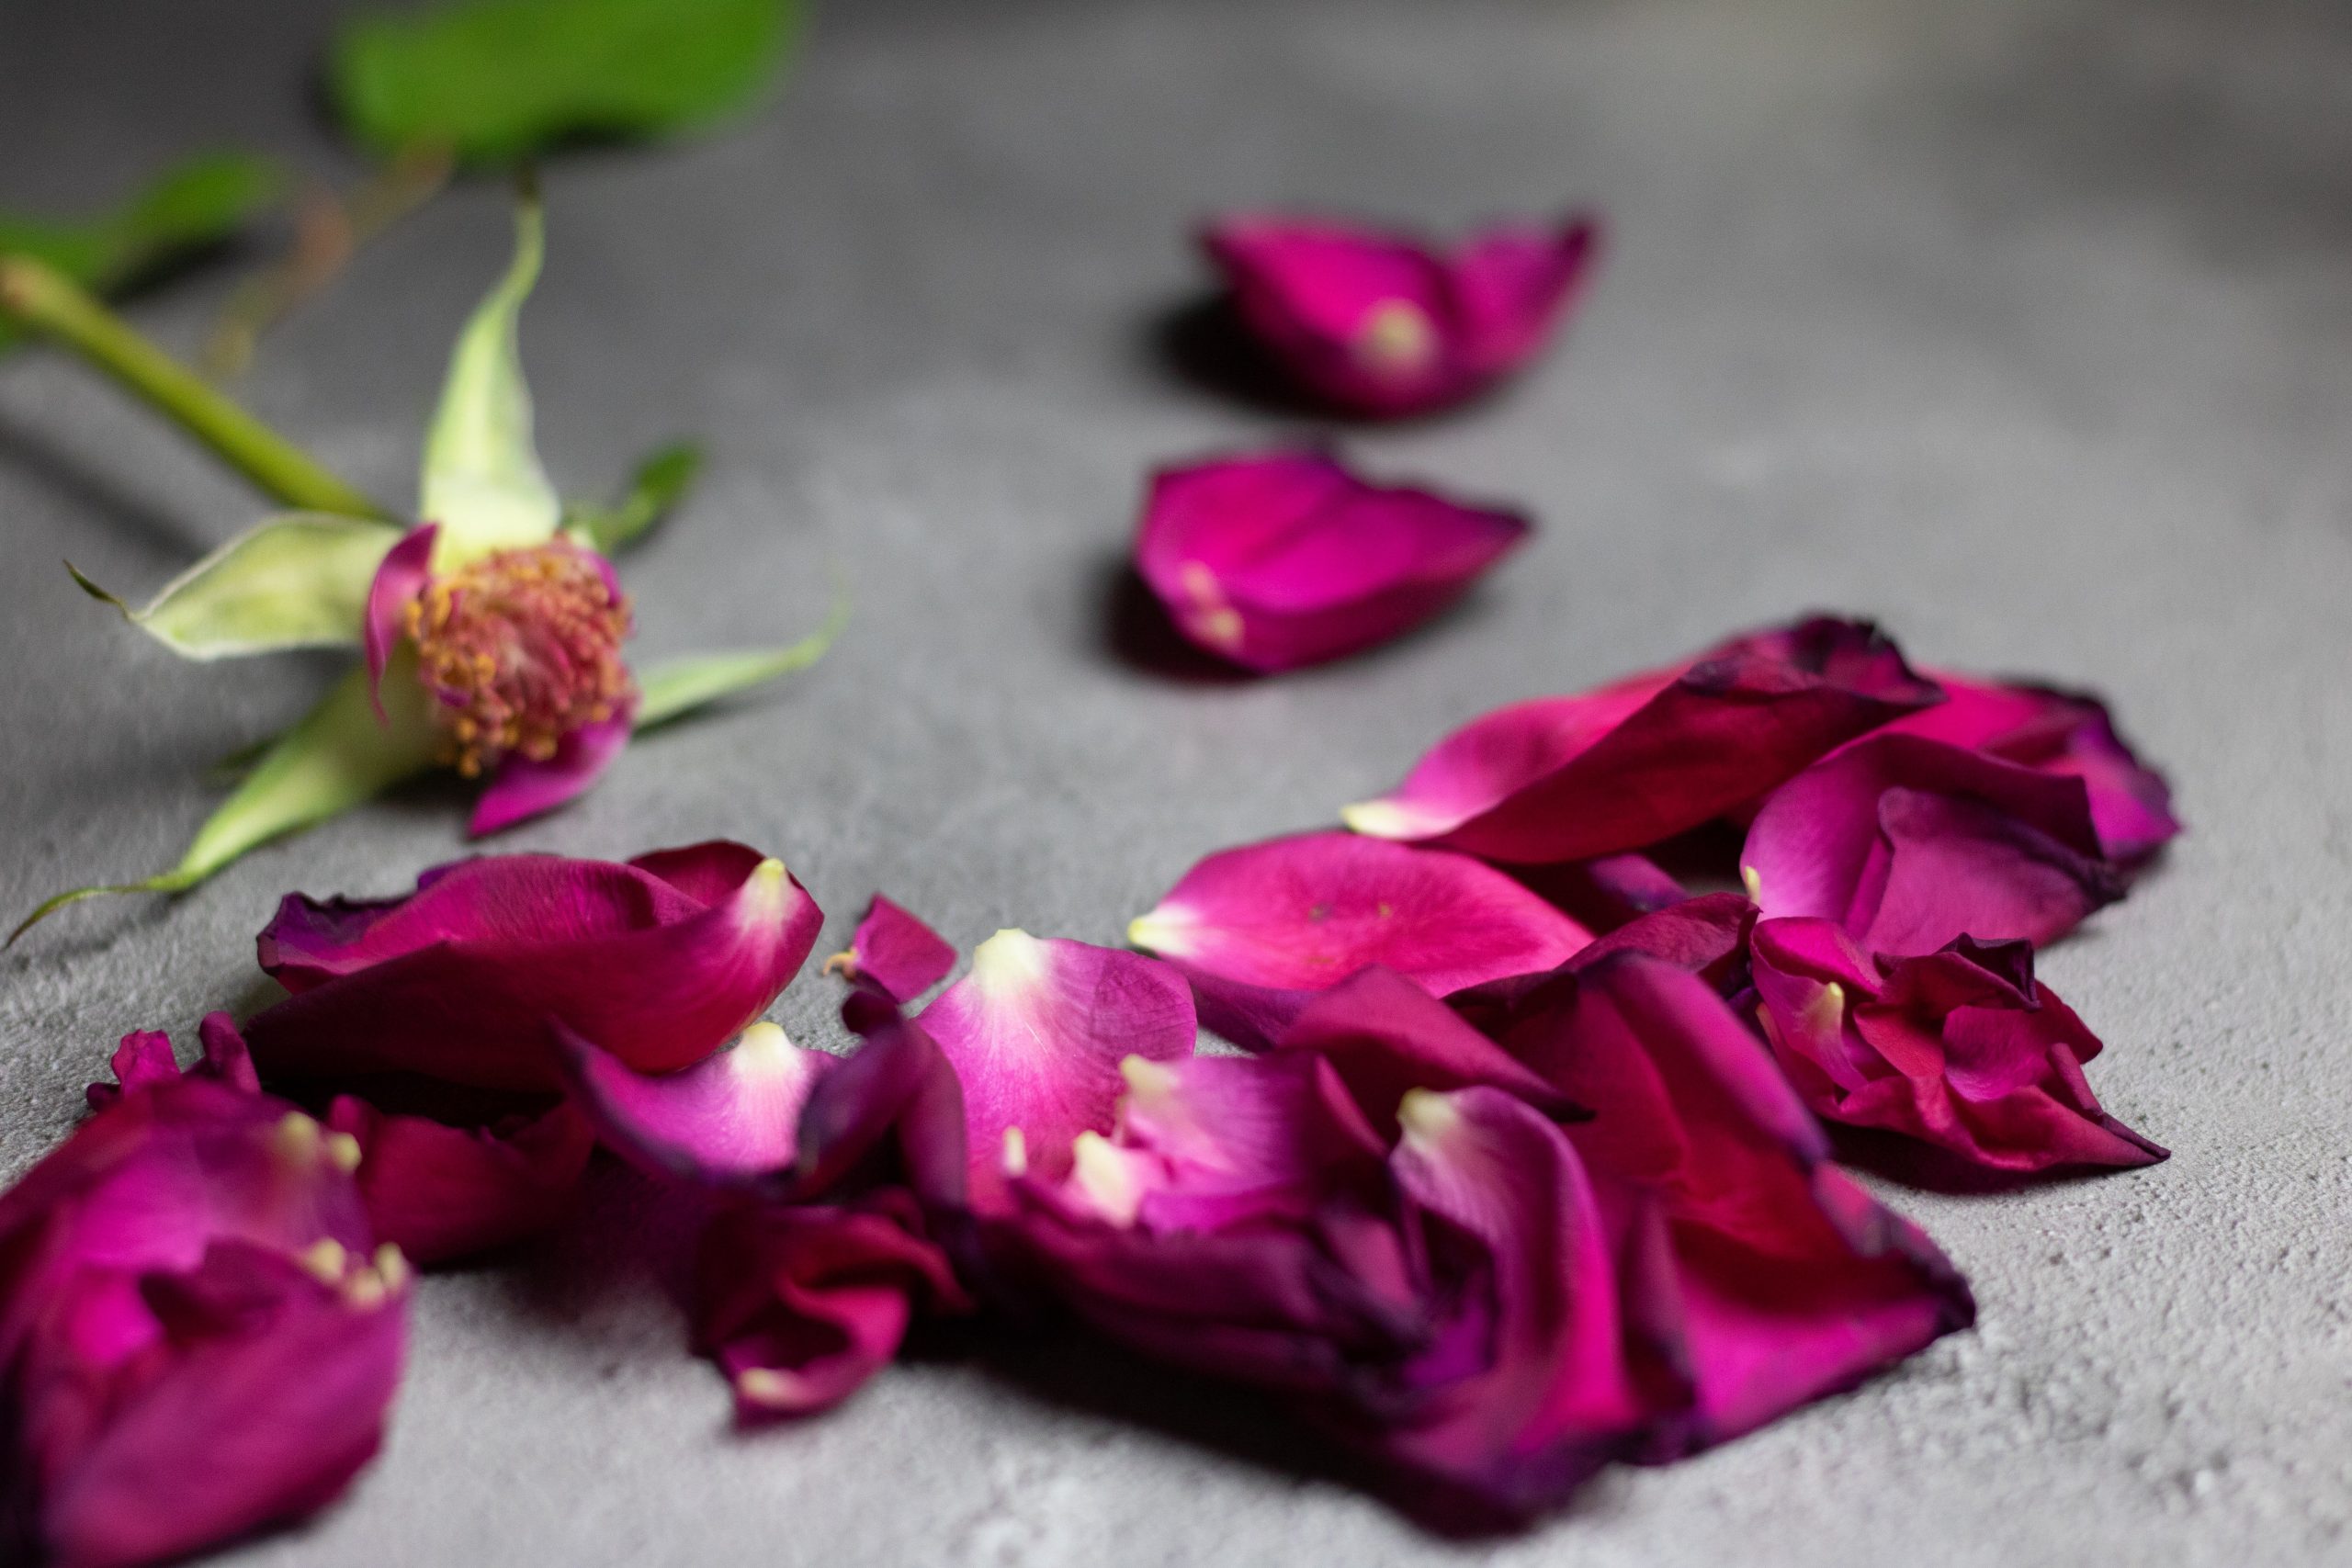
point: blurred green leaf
(483, 481)
(661, 481)
(497, 80)
(677, 687)
(199, 203)
(299, 581)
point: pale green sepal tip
(660, 482)
(170, 882)
(678, 686)
(483, 481)
(299, 580)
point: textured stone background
(2026, 327)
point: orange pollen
(519, 650)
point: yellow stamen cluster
(519, 650)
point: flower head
(518, 650)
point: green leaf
(196, 204)
(660, 482)
(294, 581)
(678, 686)
(498, 80)
(338, 756)
(483, 481)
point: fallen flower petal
(1960, 1048)
(799, 1306)
(734, 1117)
(659, 961)
(1907, 843)
(1651, 756)
(2066, 733)
(1035, 1034)
(1379, 323)
(1260, 929)
(1287, 559)
(441, 1192)
(199, 1335)
(1763, 1277)
(895, 952)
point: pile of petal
(1519, 1170)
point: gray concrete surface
(2025, 327)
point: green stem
(46, 300)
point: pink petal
(1387, 1037)
(1630, 764)
(1960, 1049)
(441, 1192)
(658, 961)
(1260, 929)
(399, 579)
(894, 952)
(1035, 1034)
(1771, 1280)
(1607, 891)
(891, 1113)
(2058, 732)
(1379, 323)
(522, 788)
(733, 1117)
(1552, 1397)
(1287, 559)
(267, 1393)
(799, 1306)
(1908, 843)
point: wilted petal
(1632, 764)
(658, 961)
(2068, 733)
(1605, 892)
(1908, 843)
(1035, 1034)
(1260, 929)
(1962, 1049)
(400, 577)
(895, 952)
(1774, 1280)
(1287, 559)
(261, 1392)
(732, 1117)
(799, 1306)
(525, 787)
(1552, 1397)
(892, 1114)
(1380, 323)
(440, 1191)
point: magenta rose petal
(1908, 843)
(733, 1117)
(893, 1105)
(197, 1332)
(799, 1306)
(1768, 1279)
(441, 1192)
(1287, 559)
(1961, 1048)
(1640, 761)
(1035, 1034)
(658, 961)
(526, 786)
(1380, 323)
(2058, 732)
(1556, 1398)
(1260, 929)
(895, 952)
(400, 577)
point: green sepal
(499, 81)
(483, 481)
(661, 481)
(340, 755)
(677, 687)
(299, 580)
(188, 207)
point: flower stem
(46, 300)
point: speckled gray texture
(2028, 329)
